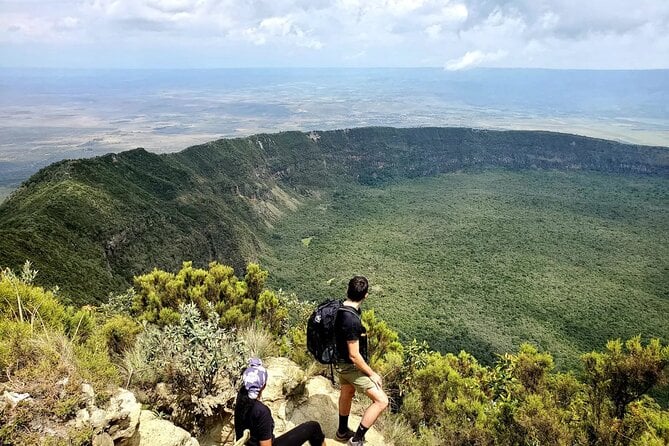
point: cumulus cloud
(473, 59)
(280, 27)
(465, 33)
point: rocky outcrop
(118, 421)
(123, 423)
(292, 396)
(153, 431)
(295, 398)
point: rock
(153, 431)
(320, 402)
(82, 419)
(103, 440)
(89, 395)
(98, 419)
(122, 415)
(285, 378)
(12, 399)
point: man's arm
(357, 360)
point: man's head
(357, 288)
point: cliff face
(93, 224)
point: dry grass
(260, 342)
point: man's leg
(345, 400)
(379, 404)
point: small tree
(616, 378)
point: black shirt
(259, 421)
(348, 327)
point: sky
(453, 34)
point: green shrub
(198, 360)
(15, 348)
(119, 334)
(22, 301)
(160, 294)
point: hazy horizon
(47, 115)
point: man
(352, 368)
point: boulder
(285, 378)
(154, 431)
(103, 440)
(320, 403)
(117, 421)
(122, 415)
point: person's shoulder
(349, 313)
(260, 409)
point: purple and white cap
(255, 377)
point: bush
(237, 303)
(119, 334)
(47, 350)
(24, 302)
(198, 360)
(259, 342)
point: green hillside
(493, 234)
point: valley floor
(484, 261)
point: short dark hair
(357, 288)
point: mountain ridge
(92, 224)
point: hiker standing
(352, 368)
(252, 415)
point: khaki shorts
(349, 374)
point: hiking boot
(344, 436)
(352, 442)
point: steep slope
(93, 224)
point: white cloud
(68, 23)
(389, 32)
(473, 59)
(274, 28)
(433, 31)
(402, 7)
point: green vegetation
(565, 248)
(89, 226)
(47, 350)
(453, 400)
(484, 261)
(438, 399)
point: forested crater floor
(473, 239)
(483, 261)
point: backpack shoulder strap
(350, 310)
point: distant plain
(48, 115)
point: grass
(483, 261)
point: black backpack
(321, 341)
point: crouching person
(252, 414)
